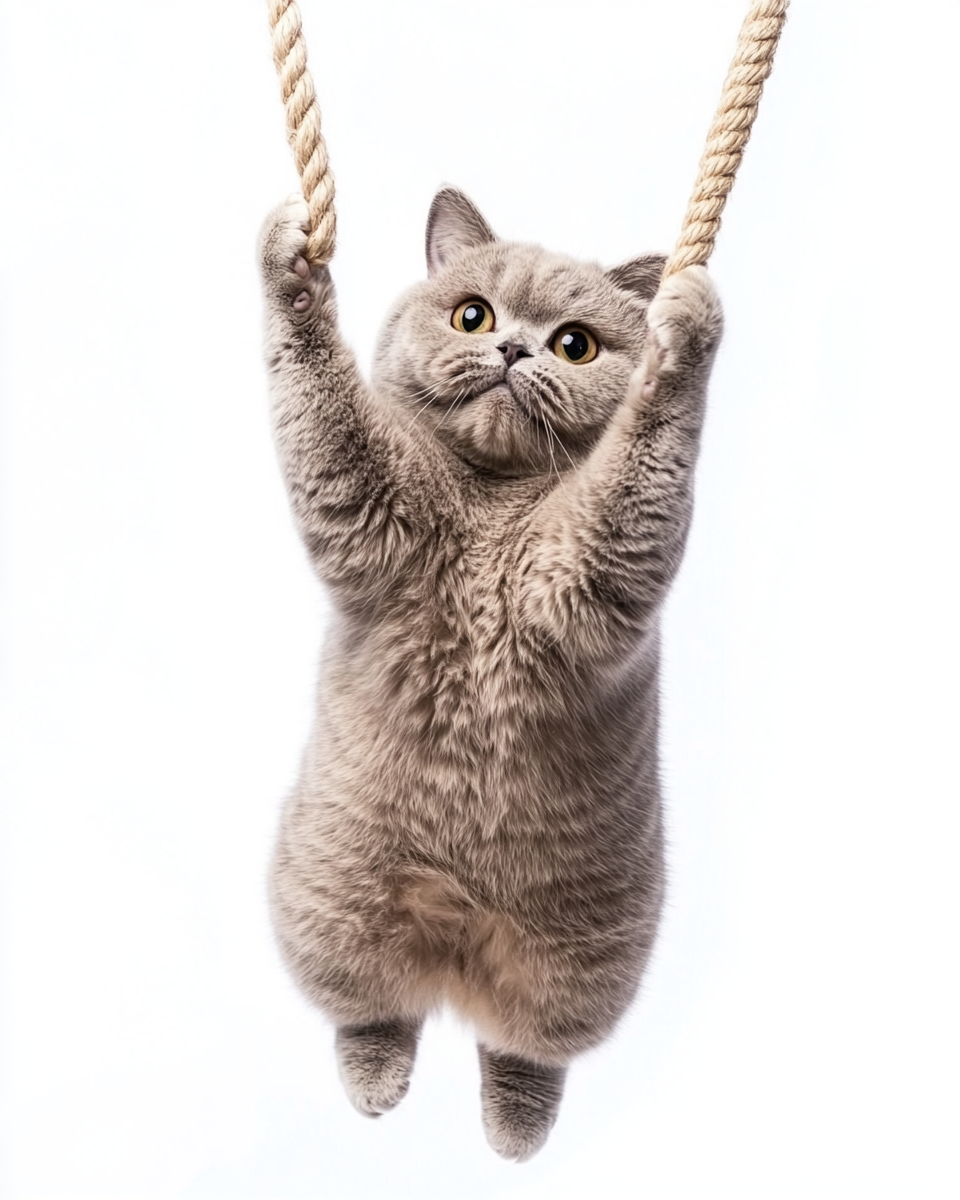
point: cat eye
(575, 345)
(473, 316)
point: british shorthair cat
(498, 515)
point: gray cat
(498, 516)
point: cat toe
(375, 1064)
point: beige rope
(729, 133)
(726, 140)
(303, 127)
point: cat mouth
(496, 393)
(504, 397)
(501, 394)
(504, 388)
(519, 400)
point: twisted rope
(729, 132)
(726, 139)
(303, 127)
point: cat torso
(469, 727)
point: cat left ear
(640, 275)
(454, 224)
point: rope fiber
(726, 139)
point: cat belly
(403, 946)
(540, 948)
(504, 860)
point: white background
(797, 1036)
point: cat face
(514, 357)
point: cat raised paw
(684, 324)
(283, 244)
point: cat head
(514, 357)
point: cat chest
(462, 659)
(453, 656)
(449, 718)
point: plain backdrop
(797, 1035)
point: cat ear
(454, 224)
(640, 275)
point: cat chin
(495, 432)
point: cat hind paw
(375, 1064)
(520, 1102)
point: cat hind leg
(375, 1063)
(520, 1102)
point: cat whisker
(432, 395)
(458, 400)
(553, 461)
(430, 390)
(560, 444)
(548, 395)
(557, 403)
(420, 411)
(536, 425)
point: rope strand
(303, 128)
(729, 133)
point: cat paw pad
(283, 244)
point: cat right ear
(454, 224)
(640, 275)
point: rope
(303, 128)
(729, 132)
(726, 139)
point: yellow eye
(473, 316)
(575, 345)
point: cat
(497, 517)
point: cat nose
(511, 351)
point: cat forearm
(340, 459)
(614, 540)
(638, 501)
(610, 545)
(342, 456)
(336, 464)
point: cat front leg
(605, 548)
(354, 478)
